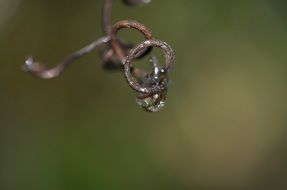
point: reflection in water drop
(152, 103)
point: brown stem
(106, 17)
(40, 70)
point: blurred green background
(224, 125)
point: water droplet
(152, 103)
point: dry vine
(151, 88)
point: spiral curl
(150, 88)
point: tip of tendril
(28, 64)
(136, 2)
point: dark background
(224, 125)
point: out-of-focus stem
(106, 17)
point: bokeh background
(224, 125)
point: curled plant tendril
(118, 49)
(151, 88)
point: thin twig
(41, 71)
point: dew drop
(152, 103)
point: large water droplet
(152, 103)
